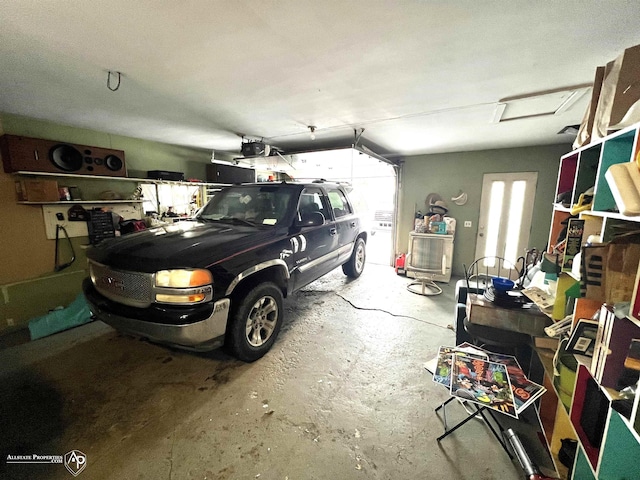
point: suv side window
(339, 203)
(311, 201)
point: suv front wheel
(354, 267)
(256, 322)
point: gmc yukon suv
(220, 279)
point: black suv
(221, 277)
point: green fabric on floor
(77, 313)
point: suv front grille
(129, 288)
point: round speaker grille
(113, 163)
(66, 158)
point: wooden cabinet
(608, 441)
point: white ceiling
(418, 76)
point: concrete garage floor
(343, 394)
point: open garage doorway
(371, 185)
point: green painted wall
(449, 173)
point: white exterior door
(506, 208)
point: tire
(255, 322)
(354, 267)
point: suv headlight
(183, 286)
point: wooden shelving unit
(614, 453)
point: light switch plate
(467, 223)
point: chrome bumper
(199, 336)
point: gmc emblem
(111, 283)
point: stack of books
(614, 342)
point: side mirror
(311, 219)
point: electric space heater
(430, 256)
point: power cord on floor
(448, 327)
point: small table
(478, 413)
(522, 320)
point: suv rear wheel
(256, 322)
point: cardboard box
(586, 127)
(37, 190)
(609, 270)
(619, 102)
(546, 342)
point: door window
(506, 209)
(339, 203)
(311, 201)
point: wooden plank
(548, 408)
(562, 429)
(586, 308)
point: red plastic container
(400, 264)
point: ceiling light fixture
(312, 130)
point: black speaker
(40, 155)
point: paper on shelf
(543, 299)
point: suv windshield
(251, 205)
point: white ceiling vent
(551, 102)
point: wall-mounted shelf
(74, 175)
(118, 179)
(561, 208)
(73, 202)
(157, 193)
(614, 215)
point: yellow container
(567, 366)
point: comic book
(525, 392)
(508, 360)
(442, 373)
(483, 382)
